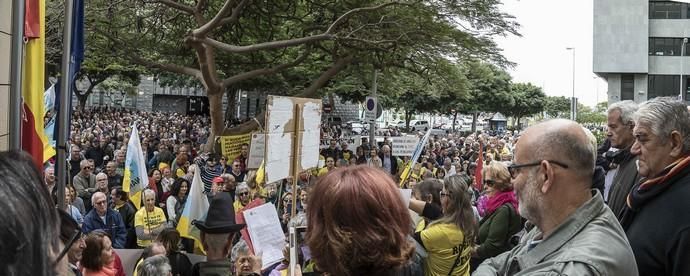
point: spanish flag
(34, 140)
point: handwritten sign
(256, 150)
(232, 145)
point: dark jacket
(114, 226)
(622, 183)
(394, 163)
(659, 231)
(495, 231)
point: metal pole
(15, 107)
(63, 114)
(682, 54)
(372, 125)
(573, 106)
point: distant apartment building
(641, 48)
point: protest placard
(256, 150)
(404, 145)
(231, 146)
(266, 234)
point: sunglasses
(444, 194)
(243, 194)
(88, 168)
(489, 182)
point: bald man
(103, 218)
(575, 233)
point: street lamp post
(682, 54)
(573, 105)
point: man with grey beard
(575, 233)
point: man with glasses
(237, 171)
(656, 218)
(85, 182)
(575, 233)
(106, 219)
(73, 240)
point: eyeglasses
(243, 194)
(88, 168)
(444, 194)
(513, 169)
(77, 236)
(489, 182)
(101, 202)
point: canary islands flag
(135, 179)
(195, 208)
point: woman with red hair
(359, 225)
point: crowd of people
(548, 200)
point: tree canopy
(296, 46)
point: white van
(419, 125)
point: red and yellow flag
(34, 140)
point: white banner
(405, 145)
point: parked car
(417, 125)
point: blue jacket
(114, 226)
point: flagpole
(18, 7)
(63, 113)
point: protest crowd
(549, 200)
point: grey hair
(240, 186)
(149, 192)
(154, 266)
(664, 115)
(240, 249)
(626, 108)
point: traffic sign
(327, 108)
(370, 105)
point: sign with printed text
(256, 151)
(231, 146)
(404, 146)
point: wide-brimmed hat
(220, 218)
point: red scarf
(650, 187)
(499, 199)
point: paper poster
(266, 234)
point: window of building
(627, 87)
(663, 86)
(667, 10)
(666, 46)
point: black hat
(220, 218)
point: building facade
(641, 48)
(5, 65)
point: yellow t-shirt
(151, 221)
(443, 243)
(238, 206)
(323, 171)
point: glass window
(663, 86)
(665, 46)
(667, 10)
(627, 87)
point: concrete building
(5, 54)
(641, 49)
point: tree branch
(338, 66)
(264, 71)
(266, 45)
(218, 19)
(177, 6)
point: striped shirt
(207, 174)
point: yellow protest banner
(231, 146)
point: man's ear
(546, 173)
(676, 144)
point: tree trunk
(455, 119)
(518, 124)
(408, 117)
(232, 104)
(215, 102)
(474, 121)
(82, 100)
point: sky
(548, 27)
